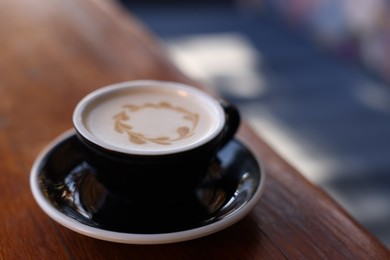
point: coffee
(152, 119)
(132, 132)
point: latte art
(123, 122)
(150, 119)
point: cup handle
(232, 123)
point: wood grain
(52, 53)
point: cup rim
(111, 88)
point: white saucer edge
(130, 238)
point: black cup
(143, 177)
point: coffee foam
(152, 119)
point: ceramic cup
(149, 140)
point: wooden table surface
(52, 53)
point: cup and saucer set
(148, 162)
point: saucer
(66, 189)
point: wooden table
(52, 53)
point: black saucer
(65, 186)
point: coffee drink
(149, 141)
(151, 119)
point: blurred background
(311, 76)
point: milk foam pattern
(122, 124)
